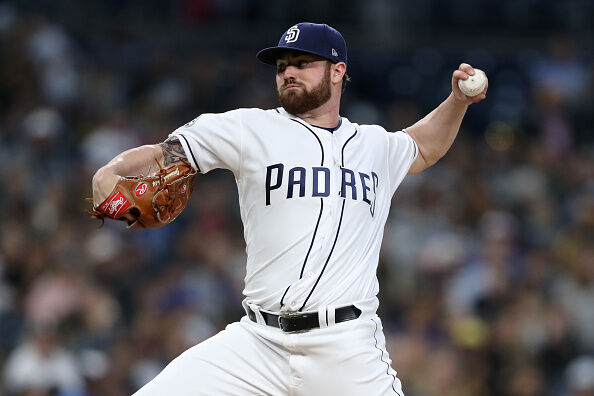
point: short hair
(345, 80)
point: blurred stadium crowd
(487, 269)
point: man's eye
(302, 64)
(280, 68)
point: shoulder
(230, 117)
(235, 113)
(367, 130)
(257, 112)
(246, 114)
(379, 131)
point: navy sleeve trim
(414, 143)
(191, 152)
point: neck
(324, 116)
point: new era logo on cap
(313, 38)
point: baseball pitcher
(314, 193)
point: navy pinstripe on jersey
(313, 238)
(306, 245)
(337, 232)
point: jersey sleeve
(402, 152)
(213, 141)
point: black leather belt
(304, 321)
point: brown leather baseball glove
(152, 201)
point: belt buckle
(286, 316)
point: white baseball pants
(249, 358)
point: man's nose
(289, 72)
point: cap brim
(271, 54)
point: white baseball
(473, 85)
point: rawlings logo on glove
(152, 201)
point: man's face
(303, 82)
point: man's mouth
(291, 87)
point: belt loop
(331, 309)
(256, 310)
(322, 313)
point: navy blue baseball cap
(312, 38)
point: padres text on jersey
(313, 201)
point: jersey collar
(284, 112)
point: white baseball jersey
(313, 201)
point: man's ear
(338, 70)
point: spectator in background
(95, 75)
(580, 377)
(40, 365)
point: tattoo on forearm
(173, 151)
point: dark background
(487, 268)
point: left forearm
(436, 132)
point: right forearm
(134, 162)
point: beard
(301, 102)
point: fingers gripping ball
(474, 84)
(151, 201)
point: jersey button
(310, 274)
(293, 304)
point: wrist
(456, 100)
(104, 180)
